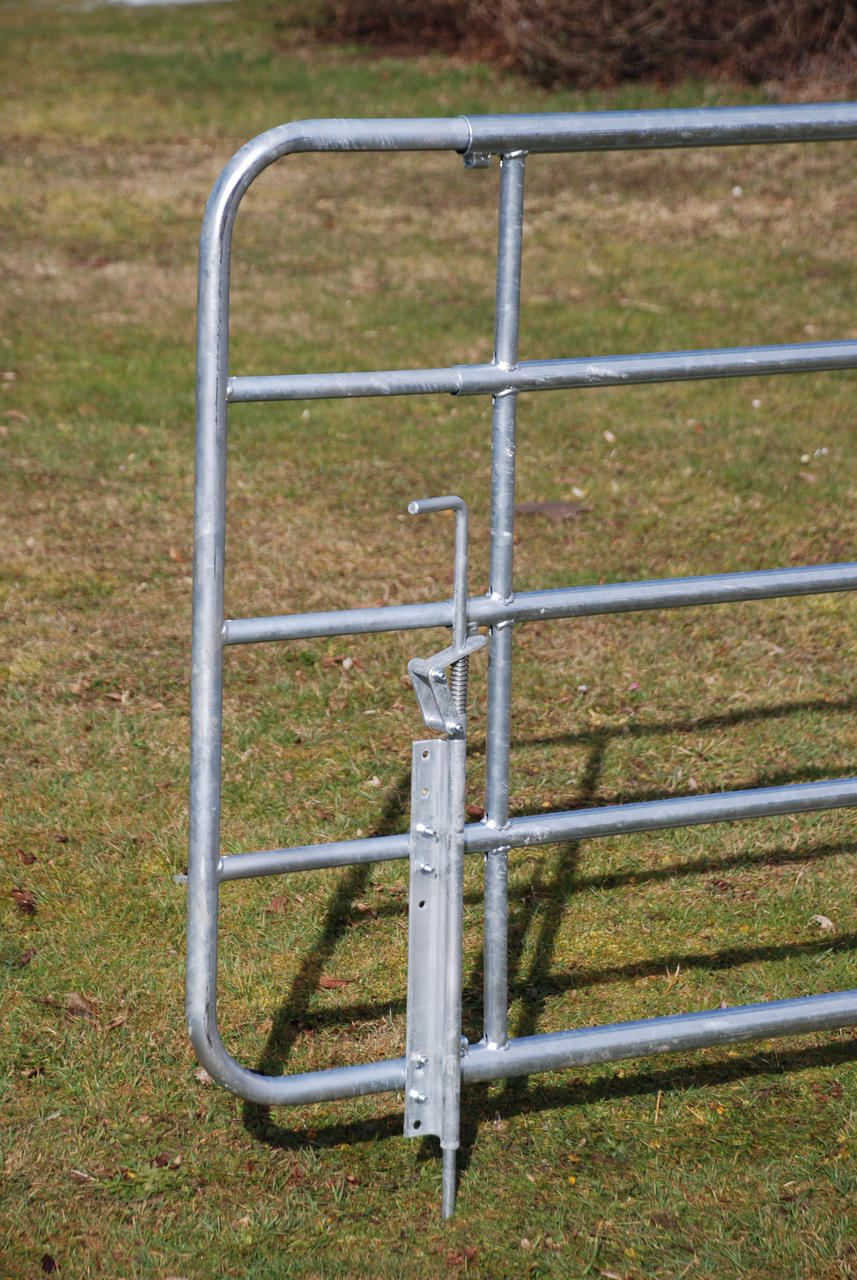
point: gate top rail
(477, 136)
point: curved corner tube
(566, 132)
(208, 580)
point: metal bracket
(477, 159)
(428, 676)
(431, 830)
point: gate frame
(476, 138)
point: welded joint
(493, 1046)
(473, 157)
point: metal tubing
(562, 602)
(312, 857)
(210, 532)
(560, 827)
(644, 130)
(450, 502)
(670, 1034)
(552, 375)
(568, 132)
(498, 711)
(553, 1052)
(678, 811)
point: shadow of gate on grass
(552, 888)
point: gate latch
(441, 700)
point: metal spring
(458, 674)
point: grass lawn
(118, 1160)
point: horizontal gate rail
(562, 602)
(551, 375)
(559, 827)
(555, 1051)
(474, 139)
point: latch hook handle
(443, 707)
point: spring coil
(458, 674)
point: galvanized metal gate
(436, 1060)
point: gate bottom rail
(551, 1051)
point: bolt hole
(424, 792)
(425, 755)
(423, 903)
(417, 1124)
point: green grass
(117, 1160)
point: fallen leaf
(476, 812)
(458, 1257)
(277, 904)
(202, 1076)
(80, 1006)
(374, 781)
(24, 900)
(26, 857)
(25, 957)
(556, 511)
(175, 555)
(49, 1264)
(333, 984)
(824, 923)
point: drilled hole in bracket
(423, 903)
